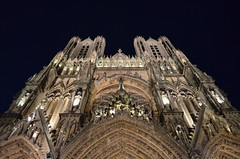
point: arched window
(71, 47)
(169, 51)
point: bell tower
(155, 104)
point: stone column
(55, 116)
(172, 102)
(66, 104)
(189, 101)
(82, 104)
(49, 106)
(186, 115)
(196, 104)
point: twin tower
(85, 105)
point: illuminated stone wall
(155, 104)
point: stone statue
(112, 111)
(23, 99)
(77, 98)
(217, 96)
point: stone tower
(85, 105)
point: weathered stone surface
(85, 105)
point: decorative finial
(119, 50)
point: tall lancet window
(71, 47)
(169, 45)
(169, 51)
(97, 46)
(141, 45)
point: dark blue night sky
(31, 33)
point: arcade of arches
(155, 104)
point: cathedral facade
(85, 105)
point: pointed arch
(222, 146)
(132, 84)
(19, 147)
(123, 136)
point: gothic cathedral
(154, 105)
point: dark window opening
(155, 51)
(83, 51)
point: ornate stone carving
(155, 104)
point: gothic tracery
(155, 104)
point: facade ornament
(217, 96)
(119, 50)
(77, 98)
(122, 103)
(24, 98)
(155, 104)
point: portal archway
(222, 146)
(123, 137)
(19, 147)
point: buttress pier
(86, 105)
